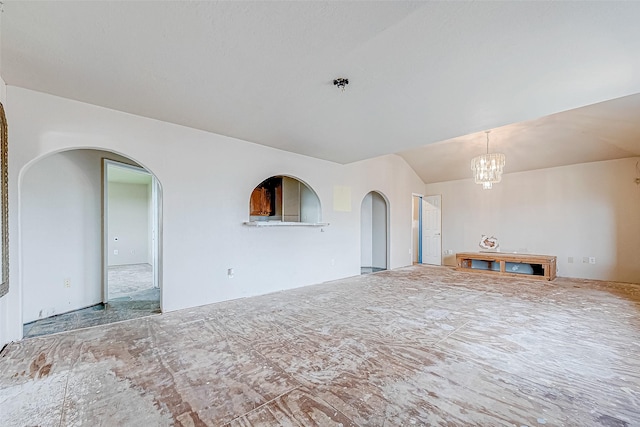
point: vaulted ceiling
(426, 78)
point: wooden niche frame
(4, 200)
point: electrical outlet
(67, 283)
(592, 260)
(585, 260)
(570, 260)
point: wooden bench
(543, 266)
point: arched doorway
(63, 242)
(374, 233)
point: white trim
(157, 249)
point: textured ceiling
(420, 72)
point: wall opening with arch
(61, 240)
(374, 233)
(286, 199)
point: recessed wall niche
(284, 199)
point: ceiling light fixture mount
(487, 168)
(341, 83)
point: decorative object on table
(489, 243)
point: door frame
(439, 197)
(421, 198)
(156, 247)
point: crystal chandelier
(487, 168)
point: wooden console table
(543, 266)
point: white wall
(585, 210)
(206, 181)
(290, 199)
(309, 205)
(128, 218)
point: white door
(431, 230)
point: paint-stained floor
(415, 346)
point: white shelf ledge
(284, 224)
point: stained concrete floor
(129, 280)
(131, 296)
(415, 346)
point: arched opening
(284, 199)
(64, 198)
(374, 233)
